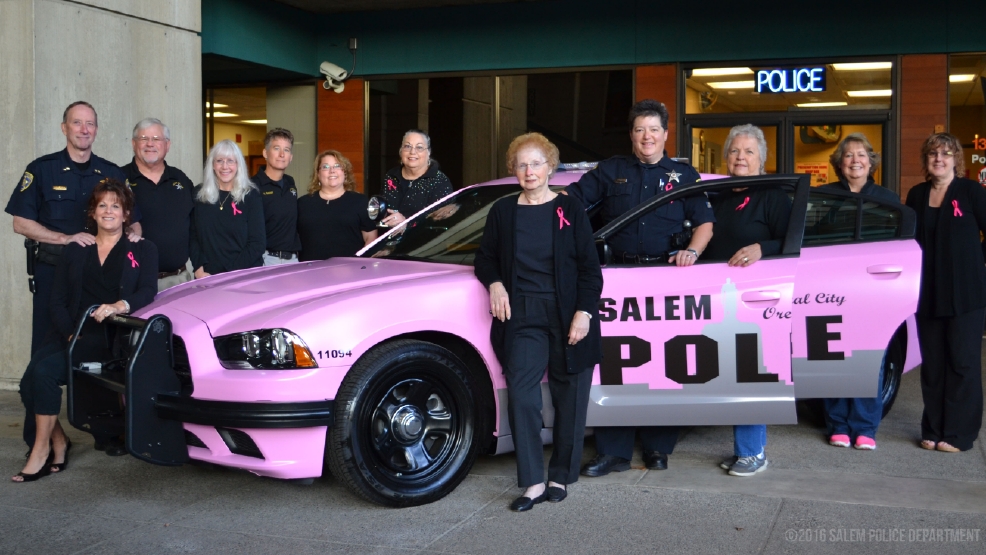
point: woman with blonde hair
(332, 217)
(228, 231)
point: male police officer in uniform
(621, 183)
(49, 206)
(165, 197)
(280, 198)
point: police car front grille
(239, 442)
(183, 370)
(193, 440)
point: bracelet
(586, 313)
(693, 251)
(127, 305)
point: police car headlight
(274, 349)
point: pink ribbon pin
(956, 212)
(390, 185)
(562, 221)
(133, 262)
(743, 204)
(668, 187)
(236, 210)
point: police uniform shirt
(167, 210)
(623, 182)
(280, 212)
(55, 192)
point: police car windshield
(448, 233)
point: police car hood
(249, 299)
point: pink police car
(379, 367)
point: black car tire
(405, 429)
(893, 368)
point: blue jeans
(856, 417)
(750, 440)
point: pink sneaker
(839, 440)
(865, 443)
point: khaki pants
(171, 281)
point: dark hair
(278, 133)
(949, 142)
(646, 108)
(348, 182)
(80, 103)
(836, 158)
(123, 194)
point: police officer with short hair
(165, 198)
(49, 209)
(280, 198)
(621, 183)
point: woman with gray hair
(855, 161)
(749, 225)
(855, 421)
(417, 182)
(228, 230)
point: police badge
(178, 185)
(26, 181)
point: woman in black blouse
(417, 182)
(332, 217)
(539, 263)
(228, 230)
(951, 214)
(118, 275)
(749, 225)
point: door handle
(884, 269)
(760, 296)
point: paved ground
(812, 499)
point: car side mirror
(604, 252)
(377, 210)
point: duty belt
(283, 255)
(162, 275)
(625, 258)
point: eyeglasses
(154, 139)
(940, 154)
(330, 167)
(224, 162)
(419, 148)
(533, 165)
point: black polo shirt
(623, 182)
(280, 212)
(167, 211)
(55, 192)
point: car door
(707, 344)
(857, 281)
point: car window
(837, 219)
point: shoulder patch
(26, 181)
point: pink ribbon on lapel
(956, 212)
(744, 203)
(562, 221)
(390, 185)
(236, 210)
(133, 262)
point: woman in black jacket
(118, 275)
(951, 213)
(539, 263)
(417, 182)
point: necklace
(229, 194)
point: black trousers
(44, 282)
(951, 378)
(539, 342)
(618, 441)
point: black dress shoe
(556, 494)
(604, 464)
(522, 504)
(113, 447)
(656, 461)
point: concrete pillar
(293, 108)
(130, 59)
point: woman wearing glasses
(417, 182)
(332, 217)
(228, 231)
(951, 213)
(538, 261)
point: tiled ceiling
(339, 6)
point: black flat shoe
(556, 494)
(604, 464)
(522, 504)
(60, 467)
(656, 461)
(45, 470)
(113, 447)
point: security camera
(334, 76)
